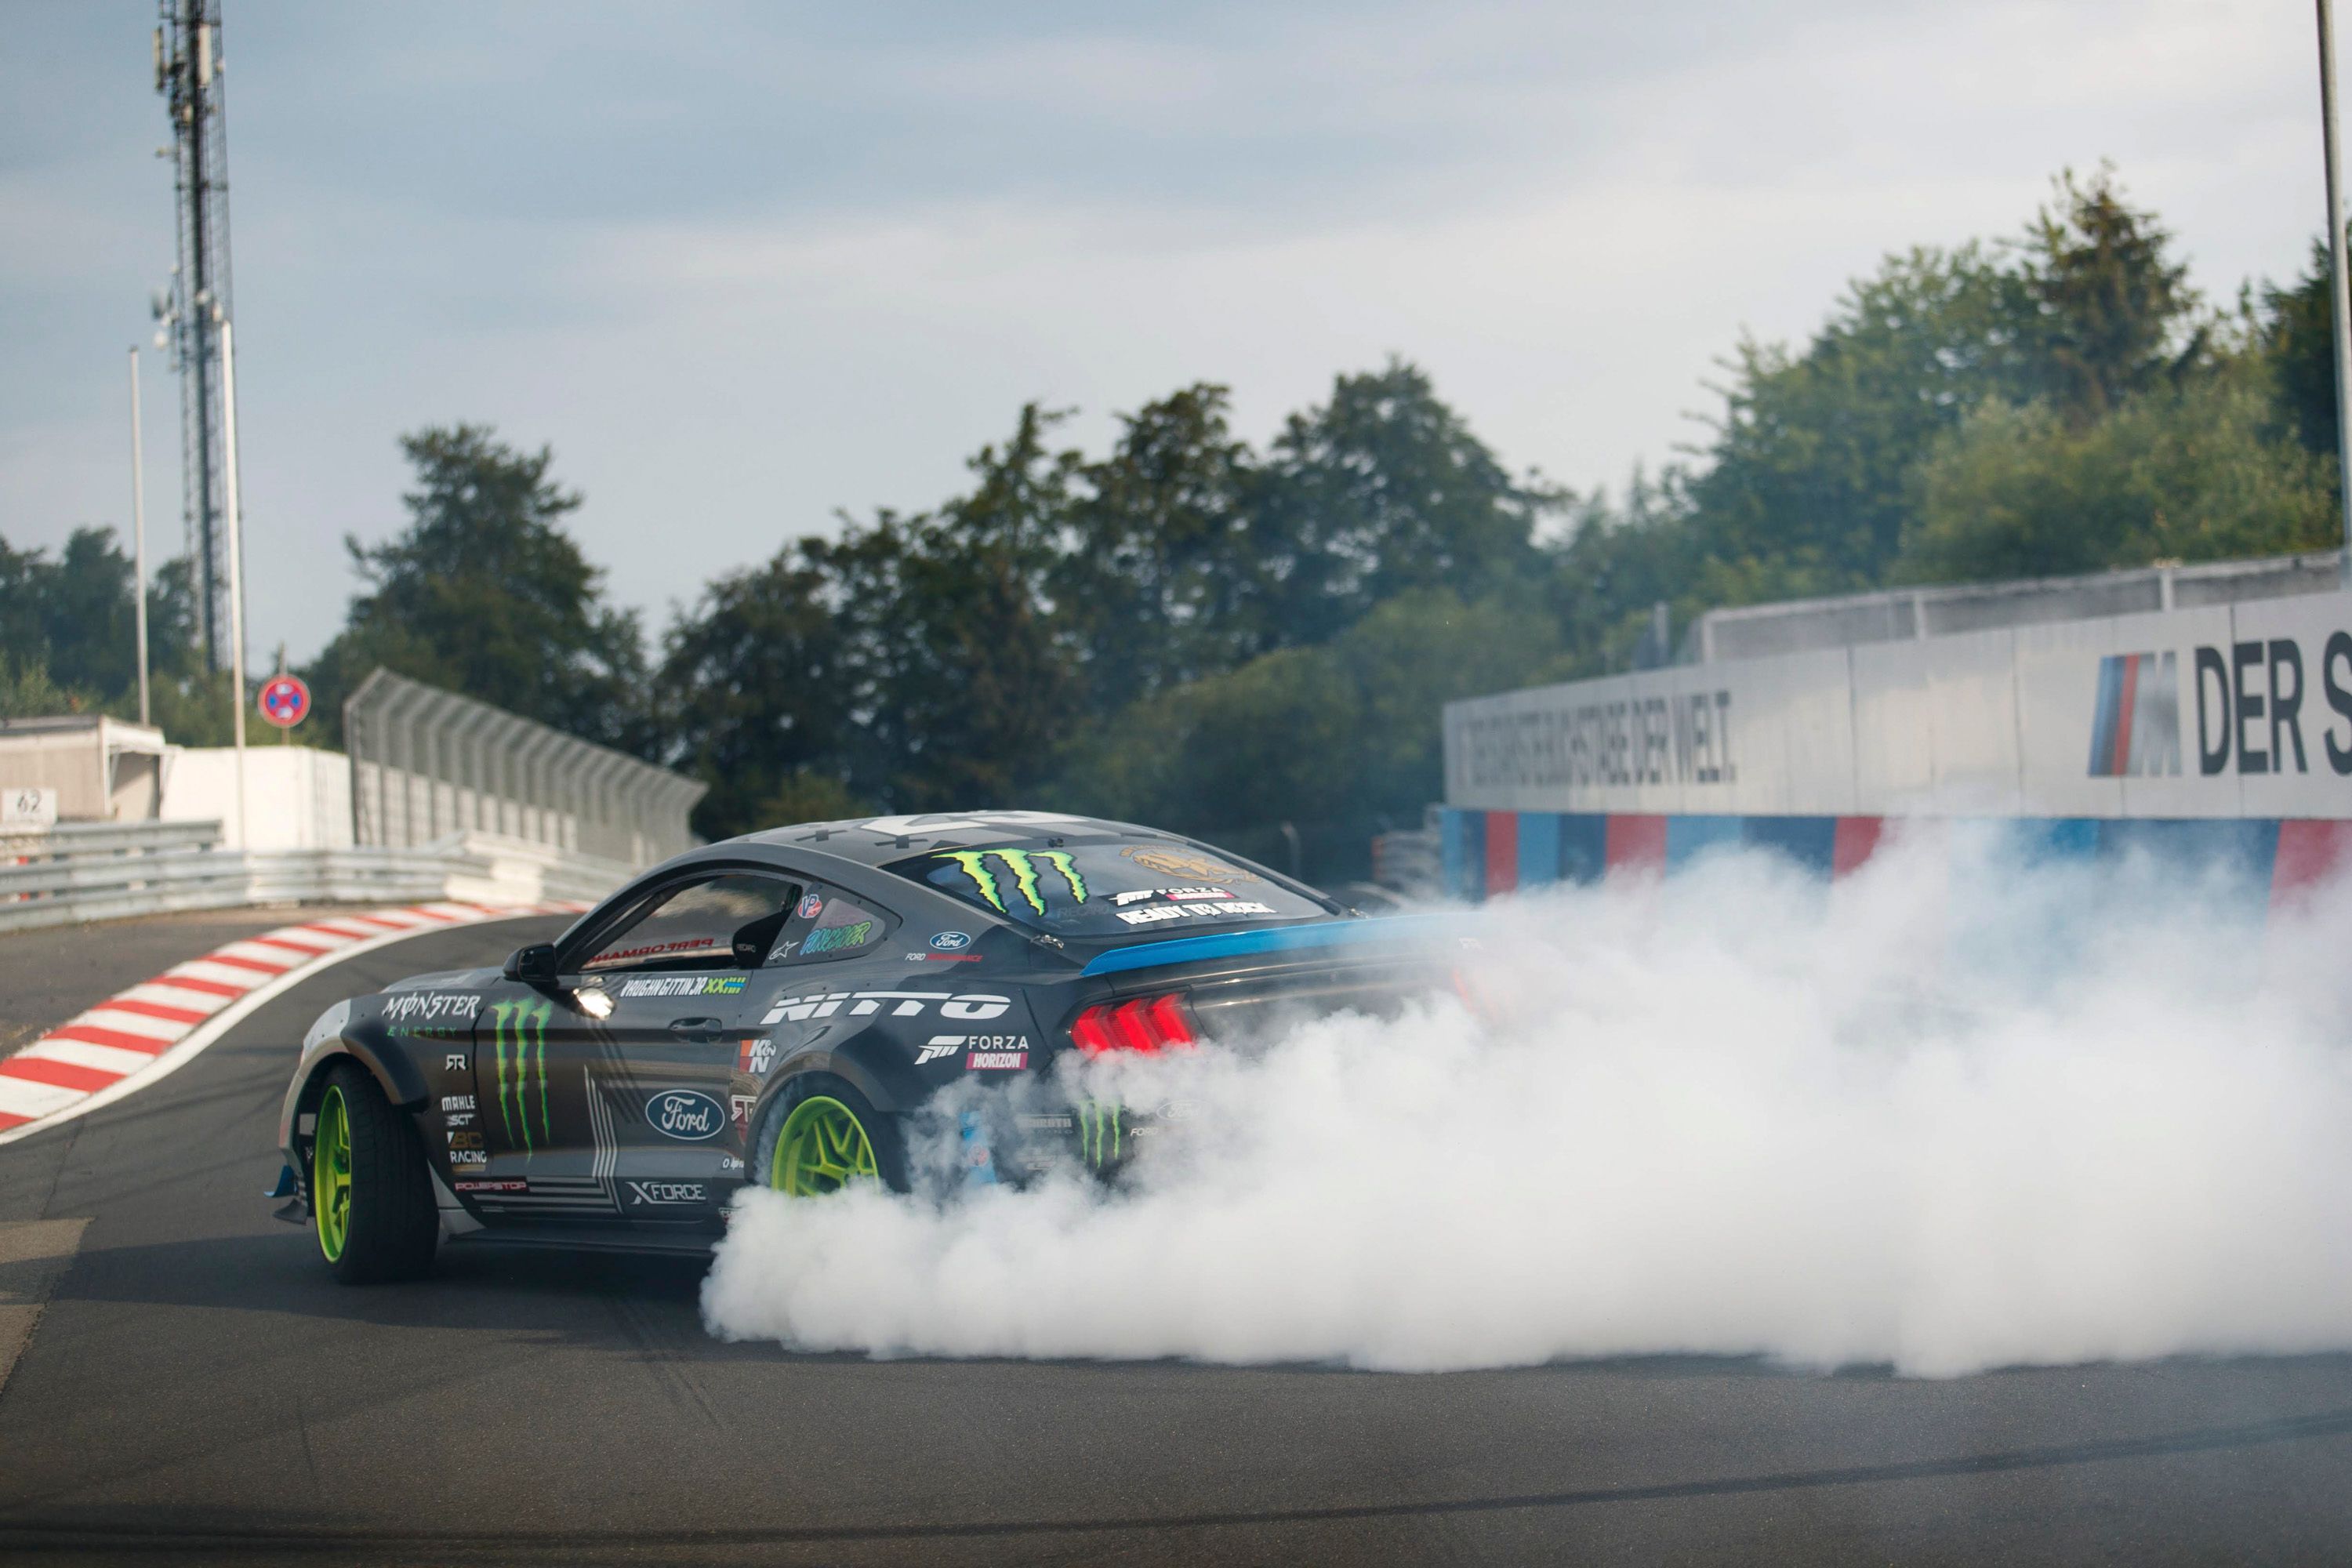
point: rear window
(1107, 890)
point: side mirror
(533, 965)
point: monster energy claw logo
(1099, 1123)
(523, 1024)
(1023, 866)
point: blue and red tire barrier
(1491, 853)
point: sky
(744, 266)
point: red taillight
(1145, 1023)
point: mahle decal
(1022, 865)
(523, 1025)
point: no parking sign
(285, 700)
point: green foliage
(27, 692)
(2180, 473)
(2299, 333)
(486, 594)
(2110, 303)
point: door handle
(700, 1031)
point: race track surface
(197, 1389)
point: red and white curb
(131, 1039)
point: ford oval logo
(687, 1114)
(950, 942)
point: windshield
(1107, 890)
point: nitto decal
(521, 1025)
(424, 1006)
(1022, 865)
(977, 1006)
(685, 985)
(666, 1193)
(688, 1115)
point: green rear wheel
(822, 1149)
(330, 1174)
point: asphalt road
(196, 1388)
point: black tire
(394, 1226)
(885, 1132)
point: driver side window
(726, 921)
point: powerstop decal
(1022, 865)
(523, 1026)
(685, 985)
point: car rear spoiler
(1388, 931)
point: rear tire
(821, 1134)
(370, 1194)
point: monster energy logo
(1099, 1131)
(1023, 866)
(523, 1024)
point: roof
(877, 840)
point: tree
(1161, 582)
(2112, 306)
(2299, 333)
(2181, 473)
(486, 594)
(1381, 489)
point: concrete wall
(295, 798)
(2231, 712)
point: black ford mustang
(775, 1007)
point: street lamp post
(2339, 288)
(139, 536)
(235, 565)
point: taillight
(1146, 1024)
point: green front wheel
(370, 1195)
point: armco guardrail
(107, 871)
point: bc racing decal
(522, 1027)
(1022, 866)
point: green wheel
(330, 1174)
(370, 1194)
(827, 1135)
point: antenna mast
(188, 75)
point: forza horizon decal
(1022, 866)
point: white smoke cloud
(1952, 1114)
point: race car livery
(772, 1009)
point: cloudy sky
(743, 265)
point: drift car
(774, 1008)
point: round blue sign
(952, 942)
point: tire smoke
(1957, 1112)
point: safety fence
(108, 871)
(427, 763)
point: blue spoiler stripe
(1278, 938)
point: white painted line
(122, 1023)
(23, 1096)
(260, 952)
(82, 1054)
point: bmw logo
(950, 942)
